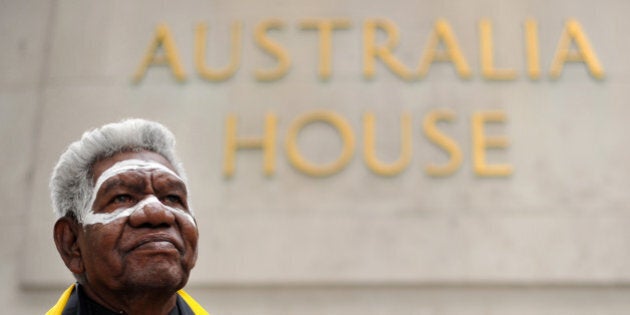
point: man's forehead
(134, 166)
(143, 156)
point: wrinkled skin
(136, 263)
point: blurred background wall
(414, 157)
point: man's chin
(159, 276)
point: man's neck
(140, 302)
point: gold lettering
(369, 152)
(271, 47)
(429, 125)
(163, 38)
(531, 41)
(442, 33)
(233, 143)
(487, 55)
(384, 52)
(573, 33)
(200, 53)
(481, 143)
(307, 167)
(325, 27)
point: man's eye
(122, 199)
(173, 199)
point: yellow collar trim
(63, 300)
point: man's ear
(66, 235)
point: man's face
(140, 232)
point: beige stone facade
(325, 217)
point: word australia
(380, 38)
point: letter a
(163, 38)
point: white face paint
(119, 168)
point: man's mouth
(156, 243)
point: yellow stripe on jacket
(63, 300)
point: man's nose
(153, 214)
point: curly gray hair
(72, 184)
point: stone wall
(537, 226)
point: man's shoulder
(195, 307)
(58, 308)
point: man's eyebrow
(109, 185)
(178, 184)
(115, 182)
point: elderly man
(124, 229)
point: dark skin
(134, 264)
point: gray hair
(72, 184)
